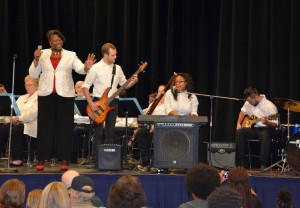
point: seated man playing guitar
(257, 119)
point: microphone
(40, 48)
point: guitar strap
(113, 73)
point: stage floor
(163, 189)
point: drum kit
(290, 153)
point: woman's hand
(89, 62)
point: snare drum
(293, 152)
(293, 128)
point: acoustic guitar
(99, 116)
(248, 122)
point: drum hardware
(289, 105)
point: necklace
(56, 53)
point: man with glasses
(261, 125)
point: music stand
(8, 107)
(128, 107)
(80, 109)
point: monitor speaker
(109, 157)
(175, 145)
(222, 155)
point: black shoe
(15, 165)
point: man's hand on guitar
(93, 106)
(135, 78)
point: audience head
(12, 193)
(33, 198)
(201, 180)
(284, 199)
(224, 197)
(82, 189)
(2, 89)
(68, 177)
(238, 179)
(55, 195)
(127, 192)
(78, 89)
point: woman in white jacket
(56, 98)
(25, 123)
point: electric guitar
(249, 121)
(99, 116)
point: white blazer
(28, 107)
(63, 73)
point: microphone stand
(8, 169)
(211, 116)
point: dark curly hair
(201, 179)
(127, 192)
(189, 84)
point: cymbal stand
(282, 164)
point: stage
(163, 190)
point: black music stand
(80, 109)
(128, 107)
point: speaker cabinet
(175, 145)
(222, 155)
(109, 157)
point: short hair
(284, 199)
(50, 33)
(12, 193)
(81, 196)
(201, 179)
(68, 177)
(224, 197)
(34, 80)
(78, 83)
(55, 195)
(3, 88)
(127, 192)
(105, 48)
(250, 91)
(154, 94)
(33, 198)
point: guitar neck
(115, 94)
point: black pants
(55, 127)
(144, 141)
(264, 134)
(17, 139)
(110, 122)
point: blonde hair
(33, 198)
(55, 195)
(34, 80)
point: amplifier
(222, 154)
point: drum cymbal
(286, 104)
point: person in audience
(82, 191)
(127, 192)
(284, 199)
(144, 135)
(67, 179)
(33, 198)
(178, 100)
(224, 197)
(200, 180)
(12, 194)
(2, 89)
(24, 124)
(238, 179)
(56, 95)
(55, 194)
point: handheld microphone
(40, 48)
